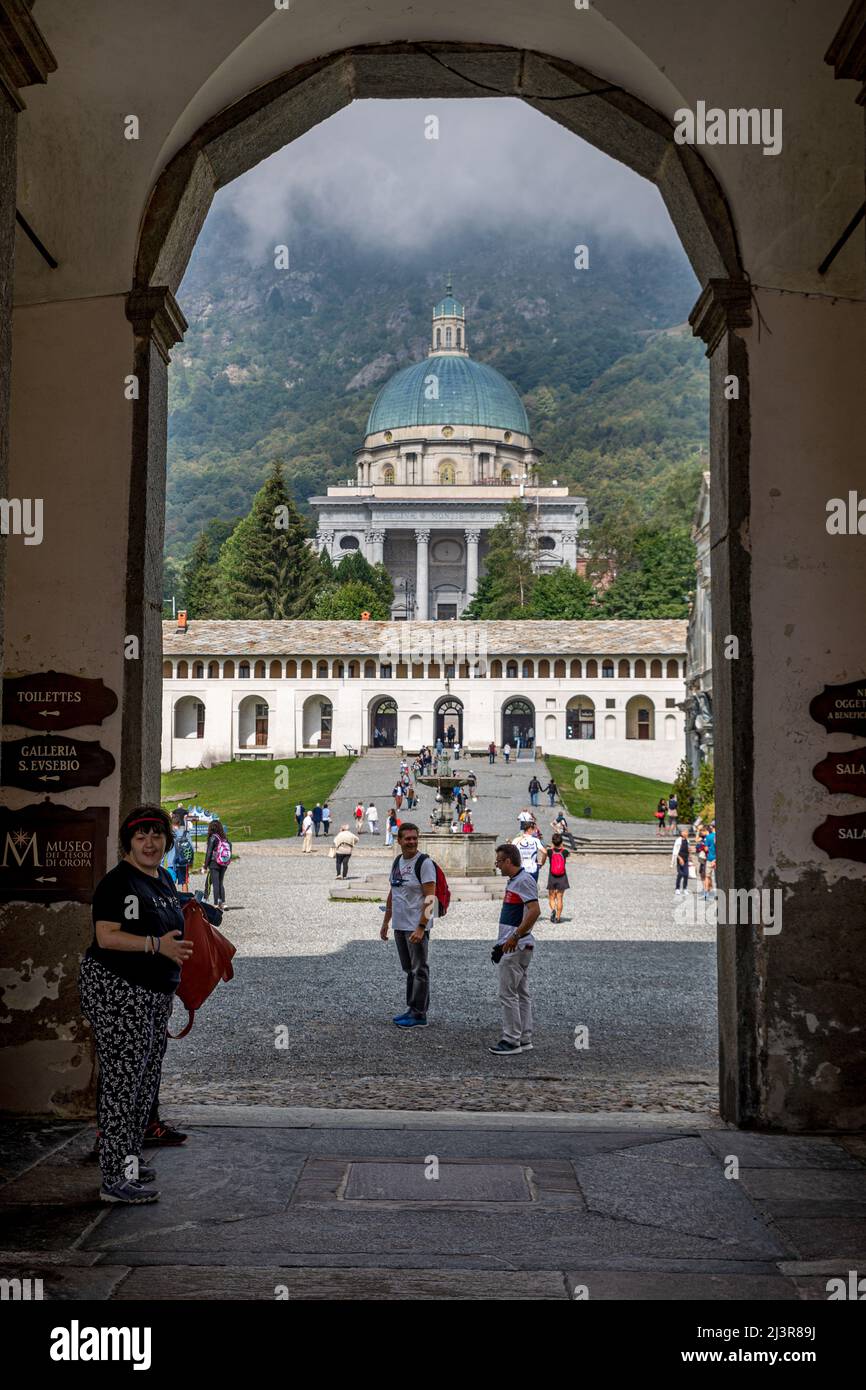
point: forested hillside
(285, 364)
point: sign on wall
(51, 853)
(843, 772)
(843, 837)
(46, 763)
(49, 700)
(842, 708)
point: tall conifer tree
(265, 569)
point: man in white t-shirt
(531, 850)
(513, 952)
(307, 828)
(373, 819)
(410, 909)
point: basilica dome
(466, 393)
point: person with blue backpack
(180, 857)
(217, 858)
(418, 892)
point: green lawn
(243, 794)
(613, 795)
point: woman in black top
(127, 982)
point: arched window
(370, 670)
(447, 337)
(511, 670)
(459, 337)
(640, 669)
(189, 718)
(228, 671)
(198, 670)
(580, 717)
(506, 477)
(624, 671)
(656, 671)
(438, 337)
(306, 670)
(543, 669)
(276, 670)
(354, 670)
(260, 671)
(349, 543)
(446, 473)
(592, 669)
(388, 474)
(496, 670)
(417, 671)
(546, 543)
(291, 670)
(576, 670)
(213, 670)
(338, 670)
(640, 718)
(528, 670)
(673, 669)
(182, 670)
(559, 670)
(321, 670)
(167, 671)
(607, 669)
(244, 671)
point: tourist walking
(552, 792)
(127, 981)
(506, 751)
(317, 818)
(524, 818)
(710, 881)
(491, 753)
(410, 908)
(182, 853)
(531, 850)
(372, 819)
(398, 795)
(660, 815)
(344, 843)
(557, 878)
(326, 819)
(308, 832)
(217, 857)
(359, 817)
(512, 953)
(559, 824)
(300, 812)
(391, 824)
(701, 857)
(680, 858)
(673, 806)
(534, 789)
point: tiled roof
(330, 638)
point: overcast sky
(371, 170)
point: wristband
(158, 940)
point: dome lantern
(449, 325)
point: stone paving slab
(337, 1285)
(308, 1117)
(605, 1285)
(814, 1238)
(453, 1182)
(783, 1151)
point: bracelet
(146, 939)
(158, 940)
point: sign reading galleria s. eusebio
(50, 852)
(54, 764)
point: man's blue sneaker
(410, 1021)
(401, 1018)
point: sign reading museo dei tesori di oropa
(52, 853)
(842, 709)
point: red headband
(146, 820)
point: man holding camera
(513, 952)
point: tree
(684, 786)
(265, 568)
(562, 593)
(506, 587)
(656, 581)
(353, 568)
(349, 601)
(201, 593)
(705, 790)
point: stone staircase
(622, 845)
(375, 887)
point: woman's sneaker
(128, 1193)
(164, 1135)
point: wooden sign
(843, 772)
(841, 708)
(51, 853)
(46, 763)
(843, 837)
(50, 700)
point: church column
(376, 547)
(422, 576)
(569, 549)
(472, 538)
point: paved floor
(265, 1204)
(307, 1018)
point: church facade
(447, 447)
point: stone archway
(241, 135)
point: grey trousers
(514, 996)
(413, 958)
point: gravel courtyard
(307, 1018)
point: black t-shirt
(159, 911)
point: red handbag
(210, 962)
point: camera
(497, 953)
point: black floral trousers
(130, 1026)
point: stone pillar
(569, 549)
(325, 542)
(472, 538)
(376, 547)
(422, 576)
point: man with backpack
(412, 904)
(182, 854)
(534, 789)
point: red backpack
(442, 892)
(557, 863)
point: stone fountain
(460, 856)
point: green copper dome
(449, 307)
(469, 393)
